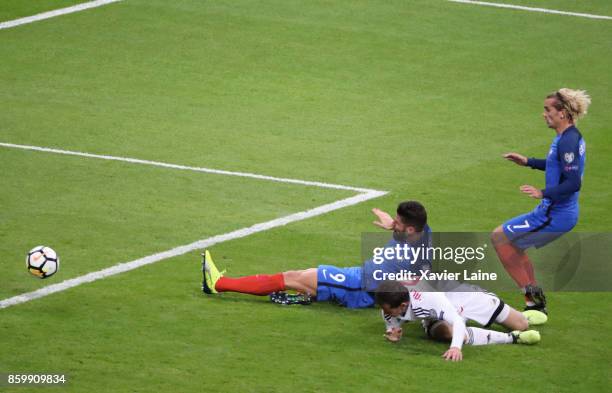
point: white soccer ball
(42, 261)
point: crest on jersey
(582, 149)
(569, 157)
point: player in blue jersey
(557, 212)
(346, 286)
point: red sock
(528, 266)
(513, 260)
(259, 284)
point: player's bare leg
(515, 321)
(304, 281)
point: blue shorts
(342, 286)
(539, 227)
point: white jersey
(455, 307)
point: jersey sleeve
(436, 305)
(568, 151)
(536, 163)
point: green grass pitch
(419, 98)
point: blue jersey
(564, 168)
(395, 265)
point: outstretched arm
(519, 159)
(454, 352)
(537, 163)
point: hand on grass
(453, 354)
(393, 334)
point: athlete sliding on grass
(443, 315)
(558, 211)
(345, 286)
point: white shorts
(478, 305)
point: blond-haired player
(557, 212)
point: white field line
(364, 195)
(532, 9)
(189, 168)
(54, 13)
(98, 3)
(180, 250)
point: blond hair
(575, 102)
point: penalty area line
(531, 9)
(184, 249)
(187, 168)
(363, 195)
(54, 13)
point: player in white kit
(443, 315)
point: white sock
(478, 336)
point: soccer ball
(42, 262)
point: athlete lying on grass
(443, 315)
(348, 286)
